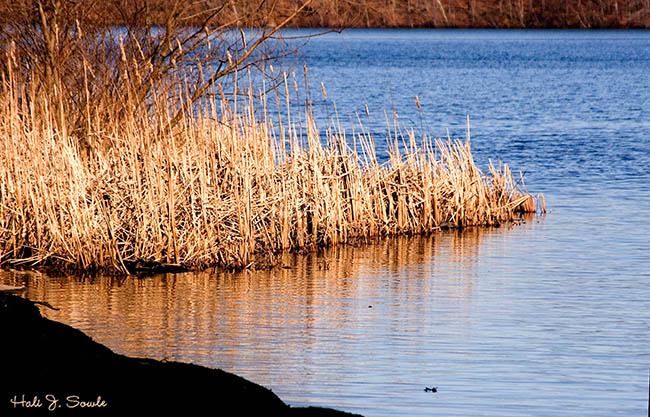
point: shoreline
(53, 369)
(589, 14)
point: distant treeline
(477, 13)
(363, 13)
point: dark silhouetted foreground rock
(49, 368)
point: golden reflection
(229, 320)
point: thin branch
(198, 93)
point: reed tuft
(222, 187)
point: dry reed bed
(223, 189)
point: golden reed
(223, 188)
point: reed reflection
(277, 323)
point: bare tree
(87, 56)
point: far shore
(505, 14)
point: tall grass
(222, 187)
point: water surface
(550, 317)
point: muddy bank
(49, 368)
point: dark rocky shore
(49, 368)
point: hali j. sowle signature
(52, 402)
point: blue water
(563, 104)
(546, 318)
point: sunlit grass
(222, 188)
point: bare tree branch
(198, 93)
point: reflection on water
(502, 320)
(194, 316)
(321, 328)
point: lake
(549, 317)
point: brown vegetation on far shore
(375, 13)
(476, 14)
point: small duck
(432, 389)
